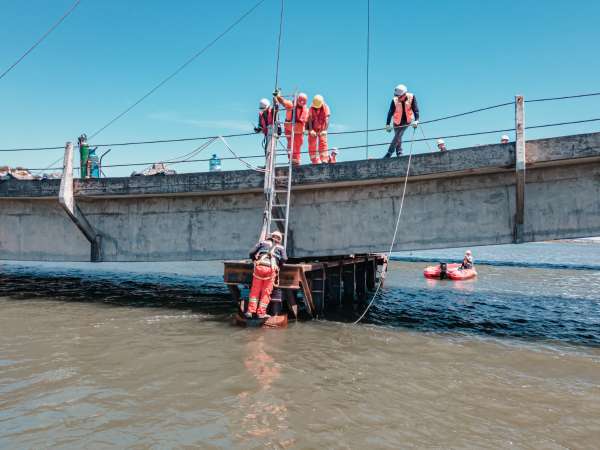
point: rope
(279, 44)
(41, 39)
(178, 70)
(250, 166)
(382, 276)
(550, 99)
(368, 58)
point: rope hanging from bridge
(389, 253)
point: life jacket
(266, 119)
(266, 256)
(407, 106)
(318, 117)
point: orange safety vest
(318, 117)
(266, 119)
(301, 112)
(408, 109)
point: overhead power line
(179, 69)
(39, 41)
(201, 138)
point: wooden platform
(324, 282)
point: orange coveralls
(298, 127)
(318, 121)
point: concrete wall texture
(460, 198)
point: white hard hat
(400, 90)
(504, 137)
(468, 252)
(440, 141)
(264, 103)
(277, 234)
(334, 151)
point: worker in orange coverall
(318, 122)
(268, 257)
(295, 122)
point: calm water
(143, 356)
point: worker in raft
(268, 257)
(467, 260)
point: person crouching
(268, 257)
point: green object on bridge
(84, 154)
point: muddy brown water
(114, 360)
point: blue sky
(454, 56)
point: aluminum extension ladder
(278, 179)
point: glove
(313, 133)
(415, 123)
(257, 129)
(323, 133)
(388, 128)
(277, 93)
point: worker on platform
(266, 117)
(504, 139)
(405, 111)
(295, 123)
(268, 256)
(318, 122)
(441, 145)
(467, 260)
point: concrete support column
(66, 198)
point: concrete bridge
(463, 197)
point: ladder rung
(280, 192)
(277, 220)
(279, 206)
(282, 178)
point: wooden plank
(307, 294)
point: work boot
(248, 315)
(399, 152)
(263, 316)
(387, 155)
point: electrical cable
(41, 39)
(178, 70)
(549, 99)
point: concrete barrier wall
(462, 197)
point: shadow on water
(514, 315)
(205, 295)
(535, 317)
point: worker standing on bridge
(318, 122)
(441, 145)
(268, 257)
(504, 139)
(405, 111)
(295, 123)
(266, 117)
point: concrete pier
(461, 197)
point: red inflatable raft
(449, 271)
